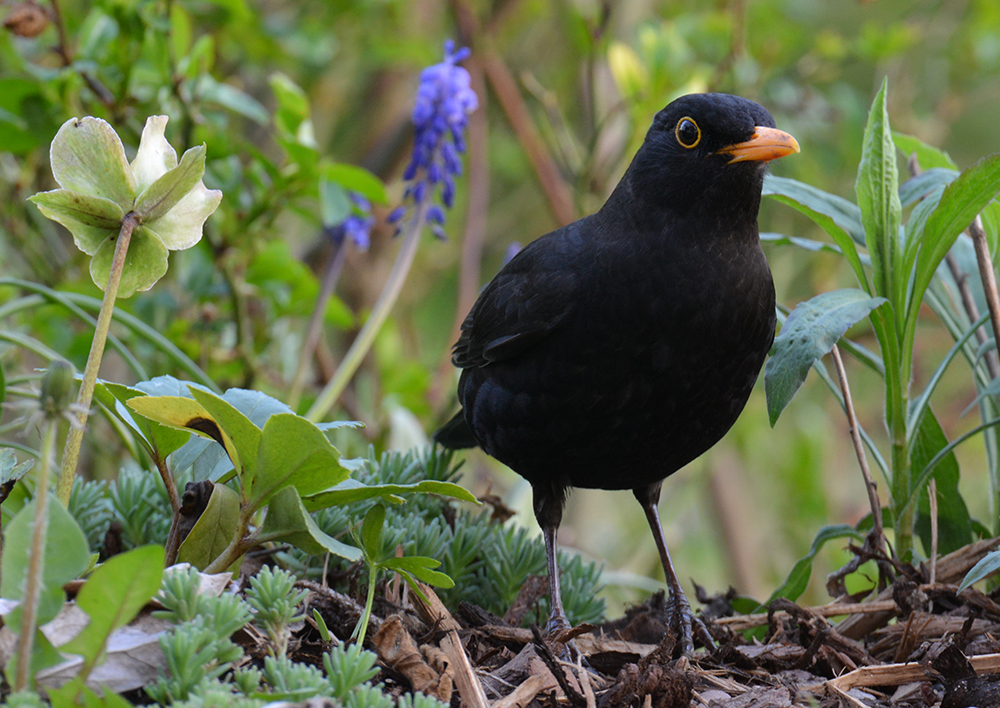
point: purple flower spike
(358, 226)
(440, 117)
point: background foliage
(286, 93)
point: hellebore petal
(155, 156)
(91, 220)
(145, 262)
(163, 194)
(181, 227)
(87, 156)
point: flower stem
(36, 561)
(71, 453)
(363, 342)
(331, 274)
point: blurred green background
(567, 90)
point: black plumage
(613, 351)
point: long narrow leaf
(835, 215)
(878, 198)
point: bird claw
(682, 620)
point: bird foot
(682, 620)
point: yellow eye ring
(687, 132)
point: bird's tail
(456, 433)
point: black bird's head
(707, 152)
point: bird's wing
(526, 301)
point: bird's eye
(687, 132)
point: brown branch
(100, 90)
(859, 449)
(555, 188)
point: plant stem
(331, 274)
(369, 603)
(71, 453)
(363, 342)
(36, 562)
(852, 421)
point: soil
(915, 644)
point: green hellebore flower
(99, 187)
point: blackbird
(613, 351)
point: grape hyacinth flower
(357, 227)
(440, 116)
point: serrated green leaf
(287, 520)
(112, 596)
(164, 194)
(809, 333)
(214, 530)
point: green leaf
(797, 580)
(145, 263)
(66, 556)
(878, 199)
(954, 524)
(186, 414)
(112, 596)
(356, 179)
(214, 530)
(420, 568)
(163, 194)
(918, 187)
(835, 215)
(960, 202)
(334, 204)
(86, 209)
(809, 333)
(10, 469)
(371, 531)
(159, 440)
(294, 452)
(210, 90)
(287, 520)
(350, 490)
(246, 436)
(981, 570)
(76, 694)
(210, 461)
(928, 156)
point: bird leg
(548, 504)
(679, 615)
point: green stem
(369, 603)
(36, 562)
(331, 274)
(363, 342)
(71, 453)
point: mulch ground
(917, 644)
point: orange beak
(765, 145)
